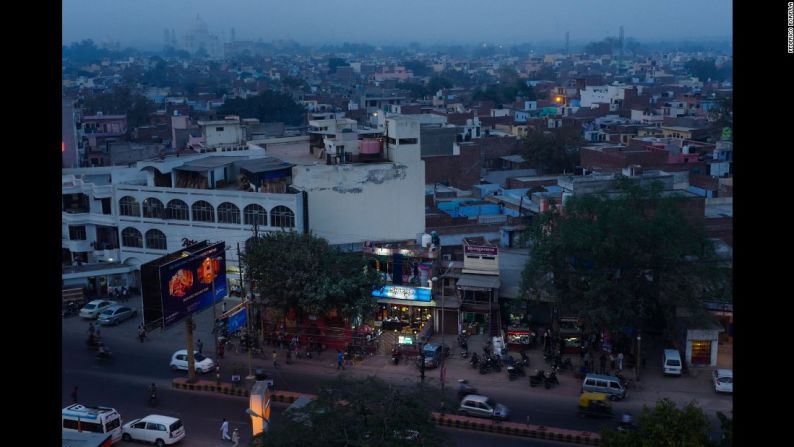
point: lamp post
(638, 359)
(247, 317)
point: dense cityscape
(266, 242)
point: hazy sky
(141, 22)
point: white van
(155, 428)
(671, 362)
(78, 417)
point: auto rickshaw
(595, 405)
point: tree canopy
(302, 272)
(664, 425)
(364, 413)
(627, 258)
(121, 101)
(552, 150)
(706, 69)
(602, 47)
(268, 106)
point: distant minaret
(232, 36)
(567, 41)
(620, 42)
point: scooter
(475, 360)
(395, 356)
(551, 379)
(537, 378)
(515, 370)
(464, 353)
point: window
(282, 217)
(77, 233)
(130, 237)
(177, 210)
(408, 141)
(70, 424)
(203, 212)
(155, 239)
(153, 208)
(255, 215)
(614, 385)
(129, 206)
(228, 213)
(111, 425)
(219, 129)
(139, 425)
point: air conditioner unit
(447, 257)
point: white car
(160, 430)
(203, 364)
(723, 380)
(92, 309)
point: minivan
(155, 428)
(609, 385)
(671, 362)
(433, 353)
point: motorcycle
(551, 379)
(537, 378)
(524, 359)
(464, 353)
(475, 360)
(490, 364)
(560, 363)
(104, 354)
(515, 370)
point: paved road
(135, 365)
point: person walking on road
(603, 361)
(200, 346)
(225, 431)
(223, 307)
(74, 395)
(612, 362)
(340, 358)
(141, 332)
(620, 361)
(235, 438)
(275, 359)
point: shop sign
(405, 340)
(403, 293)
(479, 250)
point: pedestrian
(200, 346)
(275, 359)
(96, 332)
(603, 361)
(235, 438)
(612, 362)
(221, 349)
(289, 356)
(620, 361)
(223, 307)
(340, 358)
(225, 430)
(74, 395)
(141, 332)
(125, 294)
(587, 359)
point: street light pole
(247, 318)
(638, 359)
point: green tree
(364, 413)
(602, 47)
(121, 101)
(623, 258)
(335, 62)
(419, 68)
(663, 426)
(707, 69)
(268, 106)
(552, 150)
(302, 272)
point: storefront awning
(408, 302)
(479, 281)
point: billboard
(403, 293)
(186, 283)
(180, 283)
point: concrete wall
(231, 134)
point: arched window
(130, 237)
(177, 210)
(255, 214)
(203, 212)
(282, 217)
(228, 213)
(153, 208)
(155, 239)
(129, 206)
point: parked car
(482, 406)
(157, 429)
(93, 308)
(433, 354)
(671, 362)
(116, 314)
(179, 361)
(723, 380)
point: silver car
(115, 315)
(92, 309)
(482, 406)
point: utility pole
(247, 317)
(191, 361)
